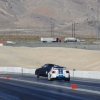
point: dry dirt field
(35, 57)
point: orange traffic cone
(8, 77)
(74, 86)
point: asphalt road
(27, 87)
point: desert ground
(27, 57)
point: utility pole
(97, 21)
(52, 27)
(59, 20)
(51, 30)
(74, 28)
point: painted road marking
(44, 90)
(57, 86)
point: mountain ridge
(43, 13)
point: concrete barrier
(11, 69)
(28, 71)
(73, 73)
(14, 69)
(2, 69)
(85, 74)
(1, 44)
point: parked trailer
(10, 42)
(50, 40)
(71, 39)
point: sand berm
(27, 57)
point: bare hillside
(35, 57)
(43, 13)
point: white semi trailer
(70, 39)
(50, 40)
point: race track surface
(28, 87)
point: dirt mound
(35, 57)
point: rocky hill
(44, 13)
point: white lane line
(85, 81)
(57, 86)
